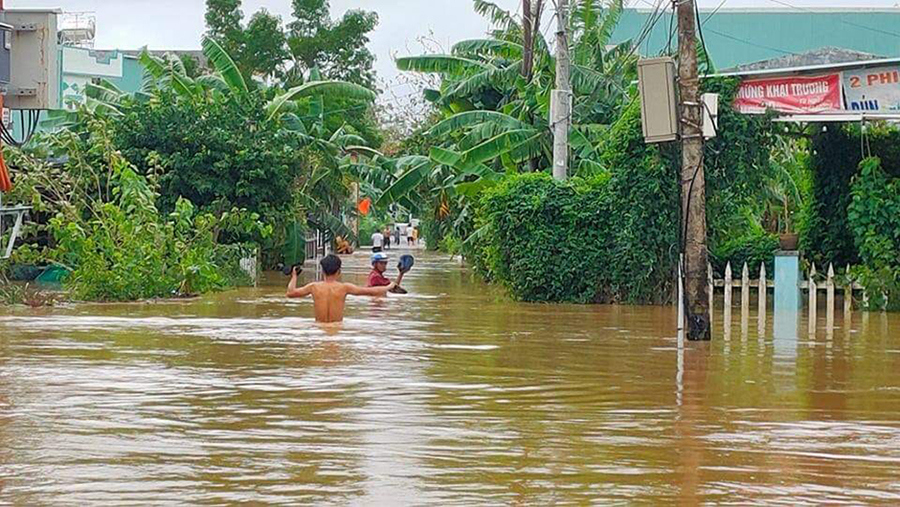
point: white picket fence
(762, 284)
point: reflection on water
(450, 395)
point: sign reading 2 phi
(792, 94)
(875, 89)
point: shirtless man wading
(329, 296)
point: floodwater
(451, 395)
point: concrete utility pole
(693, 183)
(561, 98)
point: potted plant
(783, 196)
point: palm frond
(376, 176)
(473, 118)
(496, 14)
(167, 72)
(104, 91)
(292, 122)
(586, 81)
(506, 49)
(610, 21)
(340, 89)
(225, 66)
(409, 180)
(479, 134)
(500, 144)
(365, 150)
(500, 78)
(213, 82)
(441, 64)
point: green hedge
(873, 217)
(546, 243)
(826, 236)
(613, 238)
(754, 248)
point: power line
(749, 43)
(714, 12)
(840, 19)
(709, 64)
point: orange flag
(364, 206)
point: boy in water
(329, 296)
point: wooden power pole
(693, 184)
(561, 99)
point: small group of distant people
(330, 296)
(382, 239)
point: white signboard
(876, 89)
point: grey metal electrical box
(34, 59)
(5, 45)
(659, 102)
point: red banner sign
(794, 94)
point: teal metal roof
(740, 36)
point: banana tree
(484, 75)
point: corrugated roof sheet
(742, 36)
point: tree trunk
(528, 27)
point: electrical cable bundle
(29, 126)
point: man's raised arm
(355, 290)
(293, 291)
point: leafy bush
(95, 215)
(753, 248)
(125, 251)
(874, 219)
(542, 248)
(217, 153)
(827, 235)
(578, 241)
(644, 213)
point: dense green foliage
(608, 238)
(336, 47)
(160, 189)
(873, 216)
(223, 22)
(311, 41)
(737, 168)
(548, 241)
(751, 247)
(97, 217)
(312, 47)
(126, 251)
(215, 153)
(837, 150)
(494, 116)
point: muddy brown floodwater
(451, 395)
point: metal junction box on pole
(34, 59)
(659, 101)
(6, 34)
